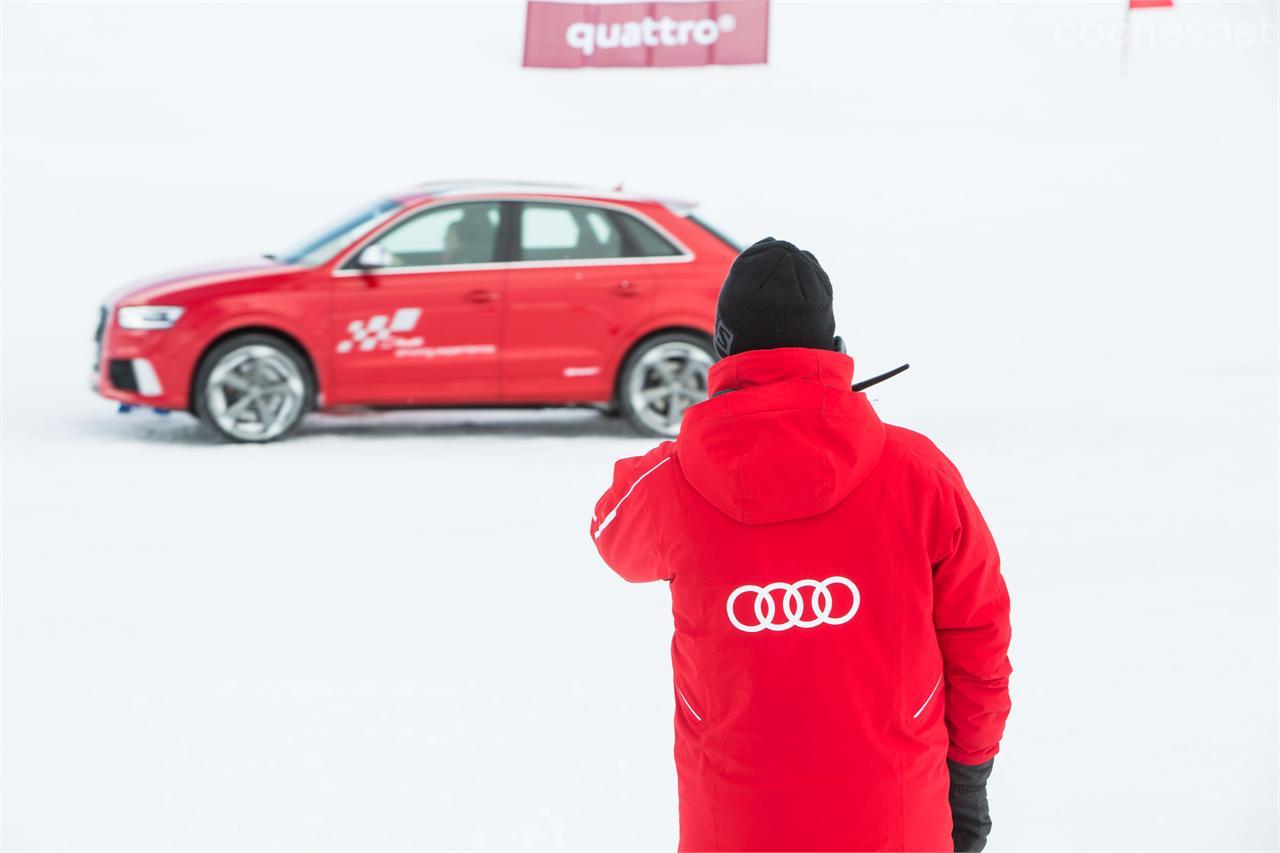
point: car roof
(469, 187)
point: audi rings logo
(794, 610)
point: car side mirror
(374, 257)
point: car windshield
(323, 246)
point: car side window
(642, 241)
(457, 234)
(564, 232)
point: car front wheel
(662, 378)
(253, 388)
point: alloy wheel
(666, 381)
(255, 393)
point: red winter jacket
(841, 624)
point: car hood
(179, 282)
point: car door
(417, 310)
(576, 292)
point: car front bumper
(142, 367)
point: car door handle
(625, 287)
(482, 296)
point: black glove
(970, 817)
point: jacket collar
(789, 364)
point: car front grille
(97, 337)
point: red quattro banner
(580, 35)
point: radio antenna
(875, 380)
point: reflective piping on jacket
(687, 705)
(613, 513)
(930, 699)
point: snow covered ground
(392, 632)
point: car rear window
(642, 241)
(715, 232)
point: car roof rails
(680, 207)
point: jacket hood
(783, 436)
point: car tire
(661, 378)
(253, 388)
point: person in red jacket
(841, 623)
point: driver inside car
(470, 240)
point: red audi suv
(453, 294)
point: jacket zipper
(696, 715)
(932, 693)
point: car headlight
(148, 316)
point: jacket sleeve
(971, 617)
(623, 526)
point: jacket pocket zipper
(932, 693)
(696, 715)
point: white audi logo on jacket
(793, 607)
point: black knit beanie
(775, 296)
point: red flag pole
(1129, 6)
(1124, 47)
